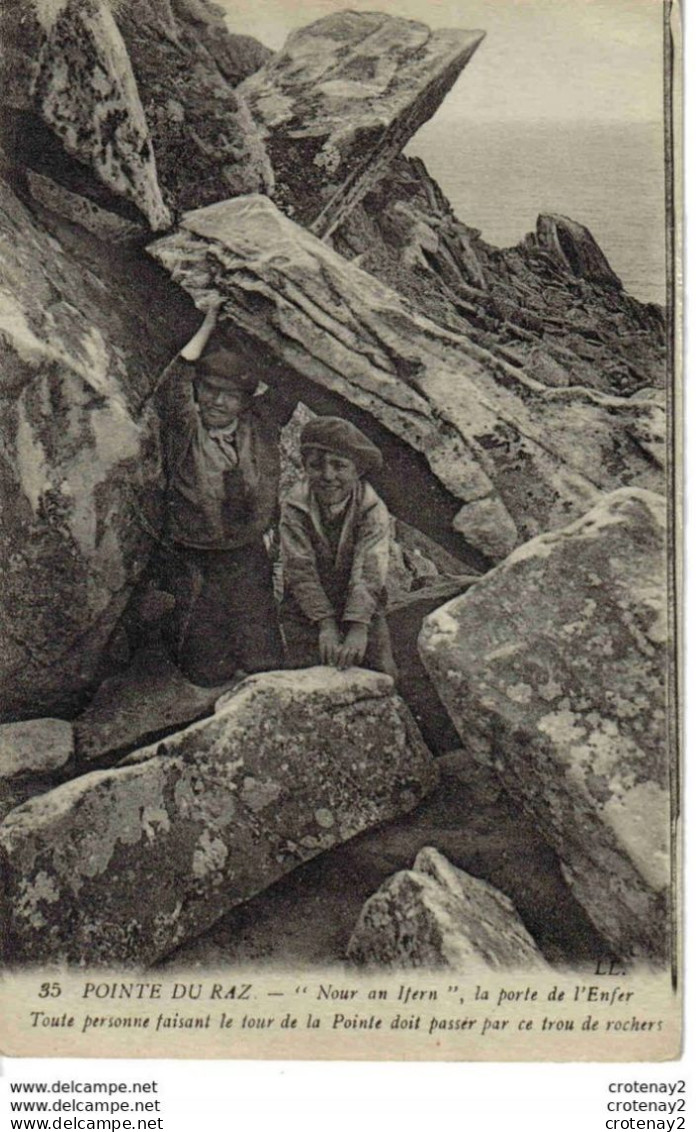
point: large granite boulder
(342, 99)
(85, 90)
(436, 916)
(307, 918)
(516, 457)
(555, 666)
(120, 866)
(83, 338)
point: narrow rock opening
(32, 145)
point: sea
(610, 177)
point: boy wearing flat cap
(223, 466)
(334, 541)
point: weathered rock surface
(186, 63)
(34, 757)
(37, 746)
(575, 244)
(86, 92)
(142, 91)
(436, 916)
(132, 707)
(306, 919)
(21, 35)
(561, 315)
(342, 99)
(517, 457)
(556, 664)
(77, 209)
(83, 339)
(291, 764)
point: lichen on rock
(342, 99)
(120, 866)
(87, 93)
(435, 916)
(558, 662)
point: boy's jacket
(348, 583)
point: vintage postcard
(339, 689)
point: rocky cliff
(152, 161)
(551, 306)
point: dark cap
(336, 435)
(226, 367)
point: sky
(542, 60)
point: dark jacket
(214, 501)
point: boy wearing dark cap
(334, 540)
(223, 465)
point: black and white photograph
(340, 479)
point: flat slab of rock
(87, 93)
(306, 919)
(107, 226)
(517, 457)
(36, 746)
(129, 709)
(122, 865)
(342, 98)
(556, 665)
(436, 916)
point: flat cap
(228, 367)
(336, 435)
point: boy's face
(331, 477)
(220, 405)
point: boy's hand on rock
(354, 647)
(329, 641)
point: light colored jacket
(347, 583)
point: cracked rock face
(519, 458)
(81, 461)
(551, 305)
(436, 916)
(86, 92)
(120, 866)
(342, 99)
(187, 66)
(574, 244)
(557, 663)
